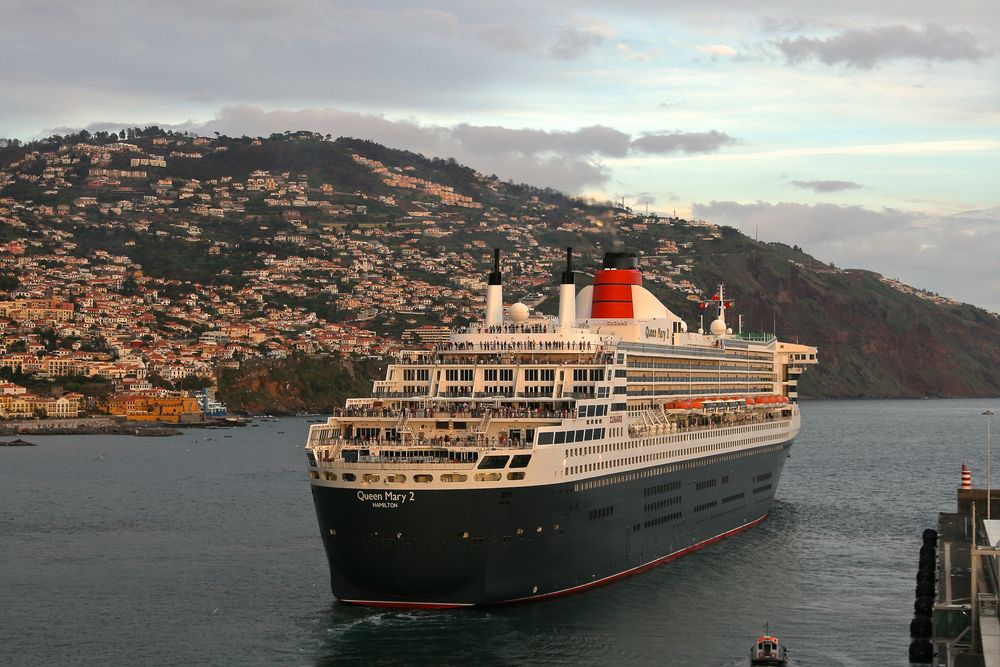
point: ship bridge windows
(592, 411)
(458, 375)
(493, 462)
(520, 461)
(545, 438)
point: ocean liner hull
(432, 548)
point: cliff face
(296, 385)
(874, 340)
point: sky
(867, 132)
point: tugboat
(767, 650)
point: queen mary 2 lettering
(532, 456)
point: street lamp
(989, 499)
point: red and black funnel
(613, 283)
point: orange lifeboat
(750, 401)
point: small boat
(768, 650)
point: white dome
(718, 327)
(519, 312)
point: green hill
(203, 220)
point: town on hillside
(136, 266)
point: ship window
(348, 477)
(397, 478)
(591, 410)
(544, 438)
(590, 434)
(560, 437)
(582, 411)
(579, 435)
(371, 477)
(520, 461)
(488, 477)
(571, 436)
(423, 479)
(493, 462)
(449, 477)
(515, 475)
(350, 456)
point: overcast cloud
(721, 100)
(827, 186)
(566, 160)
(866, 48)
(942, 254)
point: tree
(129, 286)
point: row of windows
(706, 484)
(566, 437)
(498, 375)
(660, 488)
(632, 475)
(704, 506)
(458, 374)
(729, 499)
(602, 513)
(399, 478)
(583, 374)
(540, 375)
(416, 374)
(713, 517)
(660, 504)
(761, 489)
(662, 519)
(592, 411)
(498, 462)
(655, 456)
(762, 478)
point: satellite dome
(718, 327)
(519, 312)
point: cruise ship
(531, 456)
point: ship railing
(697, 423)
(431, 413)
(442, 442)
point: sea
(203, 549)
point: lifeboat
(767, 650)
(750, 401)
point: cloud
(565, 159)
(827, 186)
(716, 50)
(574, 43)
(952, 254)
(682, 142)
(863, 49)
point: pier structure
(966, 614)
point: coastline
(107, 426)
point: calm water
(188, 550)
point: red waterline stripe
(566, 591)
(640, 568)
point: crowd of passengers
(461, 411)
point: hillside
(196, 256)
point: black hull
(467, 547)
